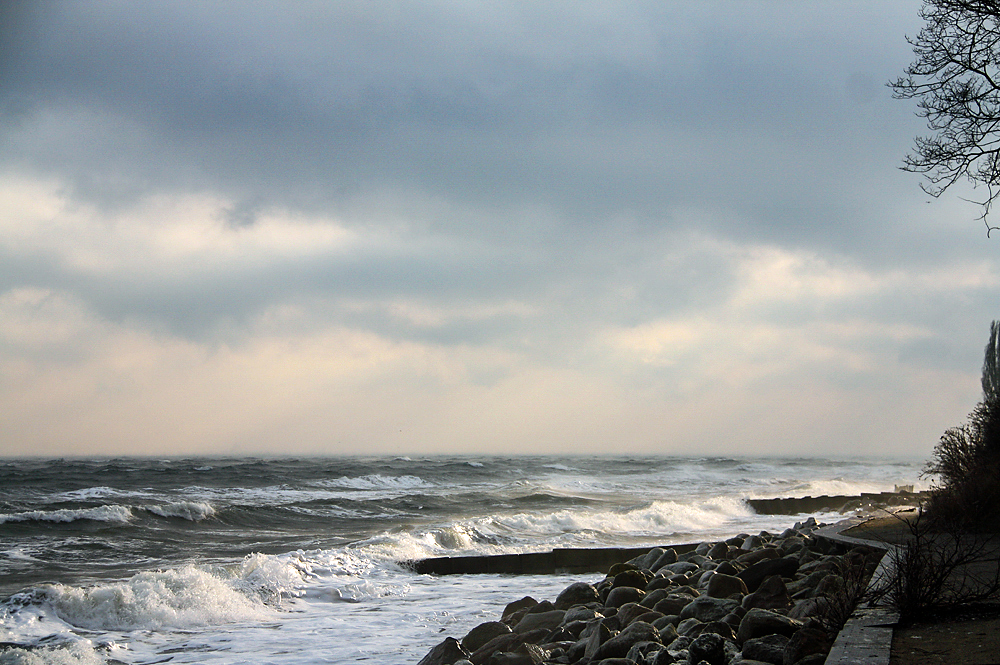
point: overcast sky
(455, 226)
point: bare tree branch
(955, 79)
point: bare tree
(956, 82)
(991, 367)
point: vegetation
(950, 558)
(956, 80)
(938, 569)
(967, 458)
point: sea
(299, 560)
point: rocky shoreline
(754, 599)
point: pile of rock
(749, 599)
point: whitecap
(178, 598)
(190, 510)
(112, 513)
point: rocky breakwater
(749, 599)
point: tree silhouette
(955, 79)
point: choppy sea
(224, 561)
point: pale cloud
(440, 226)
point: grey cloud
(321, 103)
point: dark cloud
(586, 111)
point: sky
(493, 227)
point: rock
(650, 616)
(522, 604)
(681, 567)
(723, 586)
(539, 620)
(668, 557)
(758, 623)
(791, 545)
(620, 567)
(727, 568)
(687, 626)
(445, 653)
(659, 582)
(668, 633)
(718, 551)
(652, 597)
(830, 586)
(639, 651)
(805, 642)
(809, 607)
(705, 608)
(543, 606)
(619, 645)
(633, 578)
(524, 654)
(751, 543)
(720, 628)
(755, 556)
(483, 633)
(769, 649)
(601, 634)
(770, 595)
(628, 612)
(758, 572)
(708, 647)
(497, 644)
(651, 557)
(581, 614)
(624, 594)
(807, 583)
(578, 593)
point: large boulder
(680, 568)
(622, 595)
(497, 644)
(619, 645)
(760, 571)
(668, 557)
(538, 620)
(524, 654)
(578, 593)
(724, 586)
(705, 608)
(445, 653)
(757, 623)
(673, 603)
(634, 578)
(483, 633)
(808, 641)
(767, 649)
(708, 647)
(600, 634)
(770, 595)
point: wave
(112, 513)
(178, 598)
(377, 482)
(189, 510)
(76, 653)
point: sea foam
(178, 598)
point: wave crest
(192, 511)
(178, 598)
(111, 513)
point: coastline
(673, 611)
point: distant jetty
(868, 501)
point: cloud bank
(358, 227)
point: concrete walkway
(866, 638)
